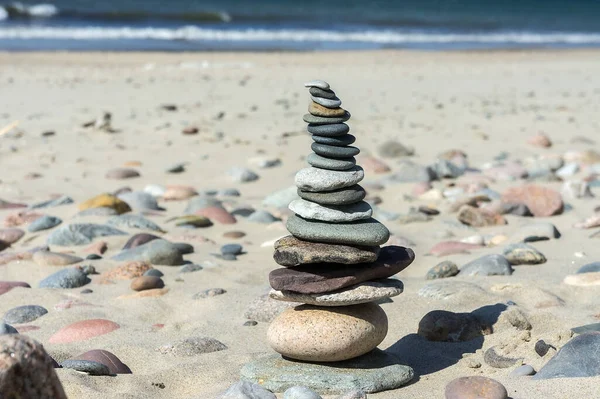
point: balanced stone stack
(333, 262)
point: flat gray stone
(321, 120)
(63, 200)
(86, 366)
(300, 392)
(192, 346)
(81, 234)
(328, 130)
(323, 93)
(331, 213)
(24, 314)
(332, 151)
(339, 141)
(157, 252)
(373, 372)
(589, 268)
(67, 278)
(367, 232)
(369, 291)
(410, 172)
(522, 371)
(131, 221)
(242, 175)
(578, 358)
(321, 84)
(44, 223)
(140, 200)
(327, 102)
(318, 180)
(488, 265)
(330, 164)
(443, 269)
(342, 196)
(447, 289)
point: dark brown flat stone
(291, 251)
(326, 277)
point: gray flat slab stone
(368, 232)
(331, 213)
(374, 372)
(317, 180)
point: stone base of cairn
(335, 268)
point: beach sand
(249, 105)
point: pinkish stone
(509, 171)
(421, 188)
(540, 140)
(97, 248)
(178, 193)
(11, 236)
(541, 201)
(452, 247)
(20, 218)
(114, 364)
(373, 165)
(10, 205)
(6, 258)
(6, 286)
(83, 330)
(216, 213)
(589, 223)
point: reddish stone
(6, 286)
(540, 140)
(10, 205)
(541, 201)
(475, 387)
(373, 165)
(20, 218)
(218, 214)
(114, 364)
(10, 236)
(139, 239)
(178, 193)
(190, 130)
(97, 248)
(83, 330)
(452, 247)
(127, 271)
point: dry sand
(481, 102)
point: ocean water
(188, 25)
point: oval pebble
(24, 314)
(86, 366)
(146, 283)
(475, 387)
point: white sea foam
(193, 33)
(3, 14)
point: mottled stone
(477, 217)
(127, 271)
(329, 163)
(108, 359)
(374, 372)
(6, 286)
(131, 221)
(300, 392)
(322, 278)
(81, 234)
(311, 333)
(367, 232)
(291, 251)
(523, 254)
(475, 387)
(343, 196)
(11, 236)
(316, 180)
(192, 346)
(157, 252)
(73, 277)
(331, 213)
(442, 270)
(369, 291)
(46, 258)
(140, 200)
(24, 314)
(26, 370)
(44, 223)
(265, 309)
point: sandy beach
(248, 108)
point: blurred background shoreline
(310, 25)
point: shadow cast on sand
(426, 357)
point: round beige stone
(332, 334)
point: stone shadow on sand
(427, 357)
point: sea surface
(187, 25)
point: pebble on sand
(83, 330)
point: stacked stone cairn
(333, 262)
